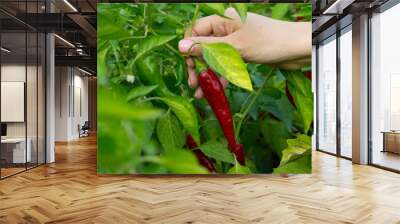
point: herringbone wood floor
(69, 191)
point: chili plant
(149, 121)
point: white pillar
(50, 99)
(360, 90)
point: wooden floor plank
(70, 191)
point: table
(391, 141)
(18, 149)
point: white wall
(71, 94)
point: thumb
(192, 47)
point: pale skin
(260, 40)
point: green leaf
(170, 133)
(275, 134)
(140, 91)
(239, 169)
(186, 114)
(280, 10)
(102, 65)
(211, 129)
(226, 60)
(241, 9)
(152, 42)
(111, 105)
(296, 148)
(300, 88)
(213, 8)
(182, 162)
(296, 158)
(276, 102)
(218, 151)
(109, 29)
(301, 165)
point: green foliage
(300, 88)
(140, 91)
(296, 158)
(213, 8)
(170, 133)
(226, 60)
(186, 114)
(150, 43)
(218, 150)
(239, 169)
(146, 110)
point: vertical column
(360, 90)
(50, 93)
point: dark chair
(84, 130)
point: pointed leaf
(298, 166)
(300, 88)
(239, 169)
(213, 8)
(112, 105)
(170, 133)
(186, 114)
(152, 42)
(140, 91)
(296, 148)
(280, 10)
(226, 60)
(296, 158)
(218, 151)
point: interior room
(48, 151)
(22, 99)
(385, 87)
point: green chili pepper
(149, 73)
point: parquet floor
(69, 191)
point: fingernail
(184, 45)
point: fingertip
(185, 45)
(199, 93)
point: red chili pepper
(215, 96)
(201, 157)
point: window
(346, 75)
(385, 89)
(327, 95)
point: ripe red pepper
(201, 157)
(215, 96)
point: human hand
(260, 39)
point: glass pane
(346, 94)
(13, 88)
(385, 84)
(31, 97)
(327, 96)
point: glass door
(326, 88)
(14, 153)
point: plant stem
(195, 15)
(250, 105)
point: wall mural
(204, 88)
